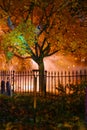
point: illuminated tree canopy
(40, 28)
(59, 23)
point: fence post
(35, 89)
(13, 80)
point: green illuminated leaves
(27, 29)
(20, 39)
(9, 55)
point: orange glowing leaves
(61, 30)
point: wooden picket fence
(23, 81)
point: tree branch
(51, 53)
(22, 57)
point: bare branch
(51, 53)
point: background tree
(38, 29)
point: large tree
(40, 28)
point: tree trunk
(42, 79)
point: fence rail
(55, 81)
